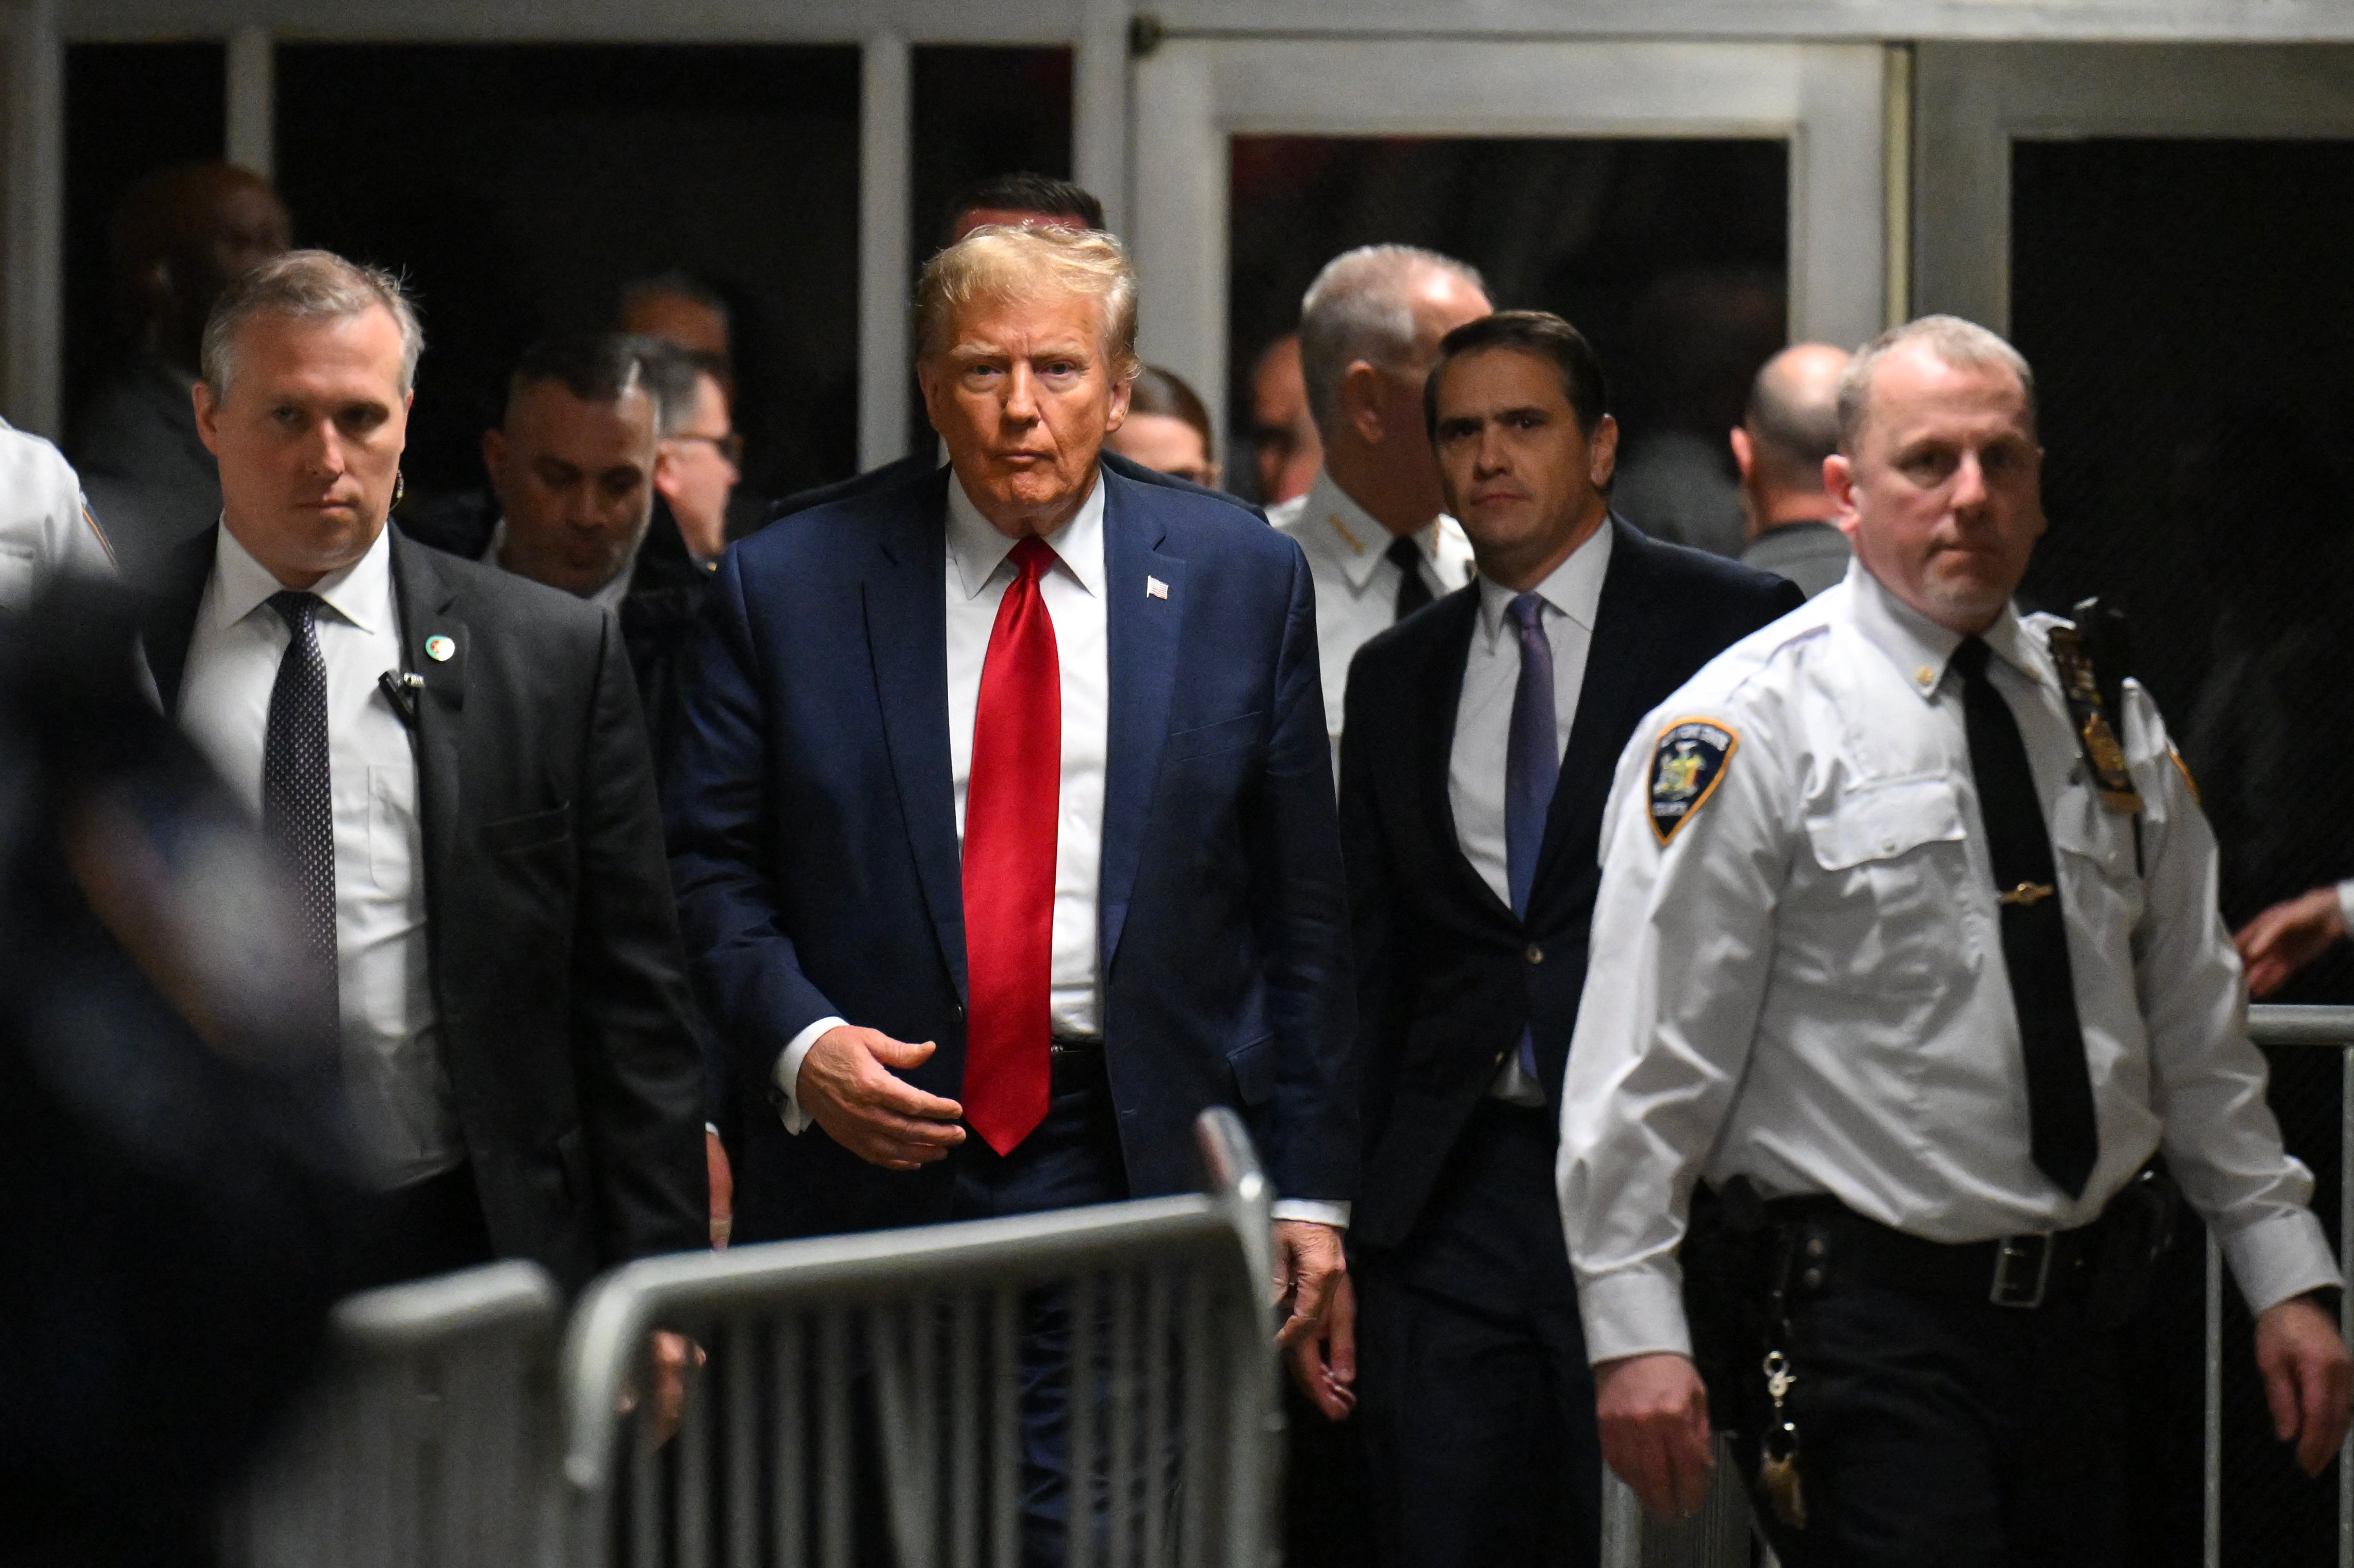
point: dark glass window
(1670, 255)
(520, 186)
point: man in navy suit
(1002, 823)
(1480, 741)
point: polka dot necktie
(298, 816)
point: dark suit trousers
(1476, 1397)
(1944, 1434)
(428, 1227)
(1072, 1159)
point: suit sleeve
(636, 1055)
(720, 830)
(1292, 836)
(1372, 911)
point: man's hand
(1653, 1412)
(2287, 936)
(2307, 1379)
(1308, 1264)
(846, 1084)
(723, 1189)
(1324, 1364)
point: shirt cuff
(2346, 902)
(2283, 1255)
(1635, 1311)
(787, 1075)
(1314, 1210)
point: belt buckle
(2013, 1286)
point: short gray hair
(307, 285)
(1951, 339)
(1358, 309)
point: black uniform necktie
(298, 815)
(1406, 556)
(2063, 1135)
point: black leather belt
(1834, 1245)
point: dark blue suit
(814, 852)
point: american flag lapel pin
(1155, 589)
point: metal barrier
(870, 1387)
(1718, 1536)
(431, 1439)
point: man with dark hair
(180, 236)
(679, 308)
(1020, 198)
(1790, 426)
(1481, 741)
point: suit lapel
(433, 620)
(1440, 701)
(1142, 628)
(1626, 633)
(170, 623)
(906, 643)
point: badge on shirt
(1686, 766)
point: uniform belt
(1833, 1246)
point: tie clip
(2025, 894)
(400, 690)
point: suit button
(1536, 954)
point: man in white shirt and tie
(1379, 545)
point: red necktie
(1011, 802)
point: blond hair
(307, 285)
(1007, 265)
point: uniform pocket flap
(1882, 820)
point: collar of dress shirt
(1573, 587)
(610, 597)
(361, 593)
(978, 548)
(1920, 648)
(1348, 534)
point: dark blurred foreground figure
(176, 1208)
(1482, 735)
(1790, 426)
(454, 760)
(180, 237)
(1908, 947)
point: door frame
(1828, 101)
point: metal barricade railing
(430, 1436)
(870, 1387)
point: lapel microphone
(400, 690)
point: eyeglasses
(729, 446)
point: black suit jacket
(553, 943)
(909, 468)
(1447, 975)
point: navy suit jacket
(1450, 975)
(814, 853)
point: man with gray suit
(1791, 426)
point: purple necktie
(1532, 768)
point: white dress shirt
(403, 1107)
(46, 527)
(1805, 985)
(1356, 582)
(1483, 725)
(610, 597)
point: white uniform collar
(979, 549)
(1920, 649)
(1573, 588)
(1333, 524)
(361, 593)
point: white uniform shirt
(46, 526)
(403, 1107)
(1483, 725)
(1805, 985)
(1356, 582)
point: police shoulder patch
(1687, 765)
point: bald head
(1790, 426)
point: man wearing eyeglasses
(700, 457)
